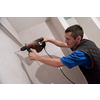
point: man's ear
(79, 38)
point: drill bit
(17, 51)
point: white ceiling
(22, 23)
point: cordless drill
(34, 45)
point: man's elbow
(56, 65)
(59, 64)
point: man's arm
(48, 61)
(56, 42)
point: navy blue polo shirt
(77, 58)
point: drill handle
(29, 50)
(39, 40)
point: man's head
(73, 35)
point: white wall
(96, 21)
(12, 69)
(9, 27)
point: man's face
(71, 42)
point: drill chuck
(25, 48)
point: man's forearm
(50, 61)
(57, 43)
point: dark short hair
(76, 31)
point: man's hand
(56, 42)
(32, 55)
(45, 39)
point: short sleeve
(76, 58)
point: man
(85, 54)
